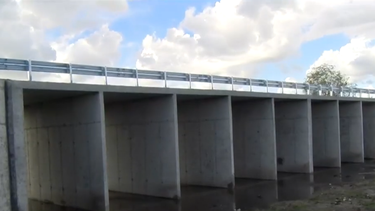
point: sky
(267, 39)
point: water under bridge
(70, 143)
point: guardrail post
(232, 83)
(331, 87)
(320, 90)
(212, 81)
(266, 82)
(165, 79)
(70, 73)
(136, 76)
(282, 87)
(189, 78)
(308, 91)
(296, 87)
(30, 70)
(106, 75)
(251, 85)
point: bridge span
(70, 144)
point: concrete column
(326, 133)
(65, 143)
(143, 147)
(4, 162)
(17, 149)
(351, 131)
(205, 141)
(254, 139)
(294, 136)
(368, 111)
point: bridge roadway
(70, 144)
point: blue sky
(156, 16)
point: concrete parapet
(65, 146)
(254, 139)
(368, 110)
(326, 133)
(351, 131)
(142, 146)
(294, 136)
(205, 142)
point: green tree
(326, 75)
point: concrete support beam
(65, 147)
(326, 133)
(294, 136)
(4, 162)
(17, 150)
(351, 132)
(254, 139)
(205, 141)
(142, 147)
(368, 111)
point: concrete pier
(368, 111)
(254, 139)
(351, 131)
(4, 162)
(294, 136)
(142, 145)
(17, 148)
(65, 148)
(326, 133)
(205, 141)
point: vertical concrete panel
(66, 152)
(294, 136)
(254, 139)
(368, 112)
(351, 132)
(17, 148)
(4, 162)
(205, 139)
(142, 147)
(326, 133)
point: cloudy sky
(270, 39)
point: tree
(326, 75)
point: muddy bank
(354, 196)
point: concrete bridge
(70, 144)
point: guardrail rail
(30, 67)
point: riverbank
(356, 196)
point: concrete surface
(254, 139)
(142, 146)
(326, 133)
(351, 132)
(205, 142)
(4, 162)
(16, 148)
(65, 143)
(368, 111)
(294, 136)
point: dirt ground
(359, 196)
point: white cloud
(25, 25)
(235, 37)
(73, 16)
(356, 59)
(100, 47)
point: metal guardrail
(76, 69)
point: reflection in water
(248, 195)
